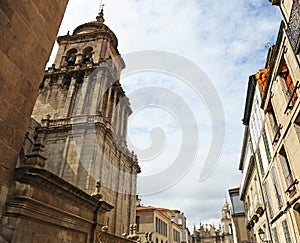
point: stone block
(15, 119)
(8, 159)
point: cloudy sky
(172, 125)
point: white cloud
(226, 39)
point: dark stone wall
(28, 29)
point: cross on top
(101, 6)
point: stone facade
(208, 233)
(270, 153)
(240, 233)
(83, 112)
(28, 30)
(75, 179)
(255, 157)
(41, 207)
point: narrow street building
(161, 225)
(271, 147)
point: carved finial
(97, 193)
(131, 229)
(98, 186)
(104, 229)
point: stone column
(113, 105)
(81, 96)
(117, 118)
(69, 103)
(95, 95)
(122, 118)
(101, 80)
(124, 129)
(108, 106)
(103, 49)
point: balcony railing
(293, 26)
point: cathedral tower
(83, 112)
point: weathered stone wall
(81, 157)
(28, 31)
(83, 112)
(41, 207)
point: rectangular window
(137, 221)
(285, 167)
(272, 117)
(268, 199)
(266, 144)
(289, 85)
(297, 126)
(286, 232)
(161, 227)
(260, 163)
(275, 235)
(176, 236)
(276, 187)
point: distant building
(208, 233)
(240, 233)
(161, 225)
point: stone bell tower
(226, 223)
(83, 112)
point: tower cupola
(94, 36)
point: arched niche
(87, 54)
(71, 57)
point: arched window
(71, 57)
(87, 54)
(230, 231)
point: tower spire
(100, 17)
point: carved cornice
(39, 195)
(52, 183)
